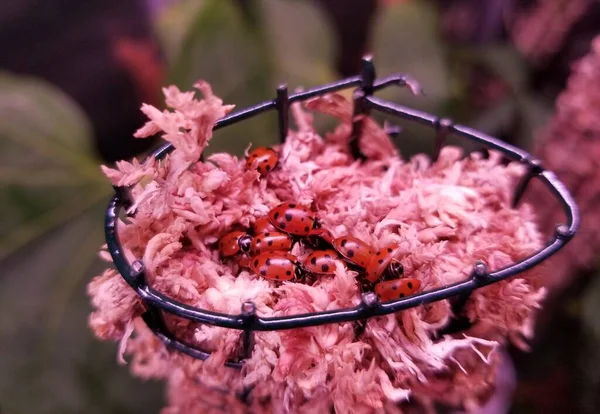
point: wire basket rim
(364, 103)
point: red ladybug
(271, 241)
(396, 289)
(354, 250)
(263, 160)
(234, 242)
(243, 261)
(263, 225)
(319, 239)
(293, 219)
(321, 262)
(277, 266)
(382, 262)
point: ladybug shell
(293, 219)
(263, 160)
(274, 265)
(263, 225)
(396, 289)
(230, 245)
(244, 261)
(353, 250)
(321, 262)
(319, 238)
(271, 241)
(380, 261)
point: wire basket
(364, 103)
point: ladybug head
(316, 224)
(245, 241)
(395, 268)
(299, 272)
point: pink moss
(569, 145)
(444, 215)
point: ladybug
(354, 250)
(263, 225)
(319, 239)
(276, 266)
(321, 262)
(244, 261)
(234, 242)
(383, 262)
(293, 219)
(396, 289)
(263, 160)
(271, 241)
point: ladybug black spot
(276, 215)
(288, 273)
(292, 205)
(258, 241)
(389, 249)
(380, 261)
(256, 263)
(302, 219)
(395, 287)
(268, 167)
(270, 243)
(282, 225)
(409, 285)
(344, 242)
(263, 272)
(350, 253)
(325, 268)
(379, 253)
(306, 228)
(402, 295)
(288, 216)
(276, 276)
(313, 261)
(268, 262)
(267, 234)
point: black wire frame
(364, 102)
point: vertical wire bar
(459, 323)
(534, 167)
(124, 196)
(137, 277)
(365, 89)
(369, 301)
(358, 112)
(282, 105)
(368, 75)
(248, 317)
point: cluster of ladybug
(267, 253)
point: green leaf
(47, 171)
(173, 23)
(302, 42)
(405, 39)
(228, 50)
(507, 63)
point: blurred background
(74, 74)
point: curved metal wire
(247, 321)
